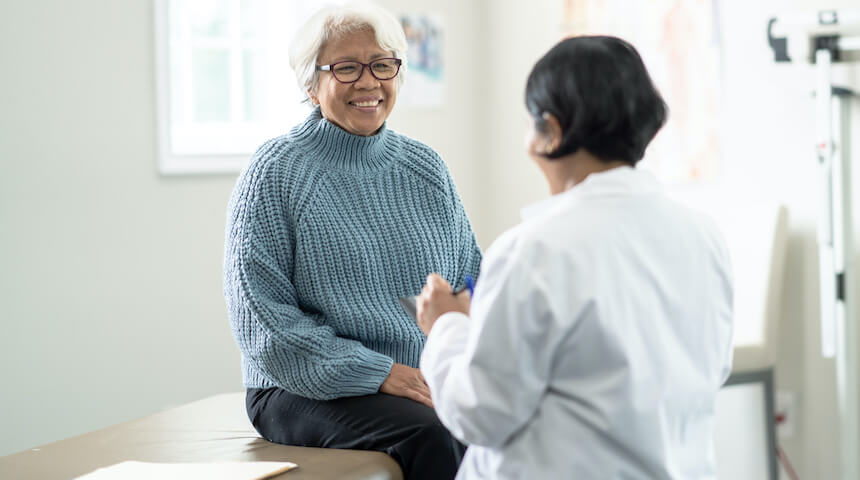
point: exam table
(209, 430)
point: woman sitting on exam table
(600, 330)
(328, 226)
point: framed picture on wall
(679, 41)
(425, 80)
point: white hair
(331, 23)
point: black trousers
(406, 430)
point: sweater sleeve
(289, 347)
(469, 253)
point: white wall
(768, 135)
(518, 34)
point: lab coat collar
(615, 181)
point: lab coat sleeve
(725, 284)
(487, 373)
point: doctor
(601, 328)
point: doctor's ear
(551, 129)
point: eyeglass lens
(383, 69)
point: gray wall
(111, 275)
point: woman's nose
(366, 80)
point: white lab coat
(600, 332)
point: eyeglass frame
(330, 68)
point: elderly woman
(601, 329)
(328, 226)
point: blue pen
(470, 284)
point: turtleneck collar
(343, 150)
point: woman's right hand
(405, 381)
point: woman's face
(360, 107)
(536, 141)
(543, 137)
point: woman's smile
(366, 104)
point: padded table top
(208, 430)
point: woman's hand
(436, 299)
(405, 381)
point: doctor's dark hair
(600, 92)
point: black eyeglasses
(351, 71)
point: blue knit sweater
(325, 230)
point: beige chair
(757, 238)
(745, 430)
(756, 233)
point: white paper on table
(132, 470)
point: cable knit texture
(325, 230)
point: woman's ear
(313, 97)
(552, 132)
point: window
(224, 84)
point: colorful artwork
(679, 42)
(425, 86)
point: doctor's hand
(436, 299)
(405, 381)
